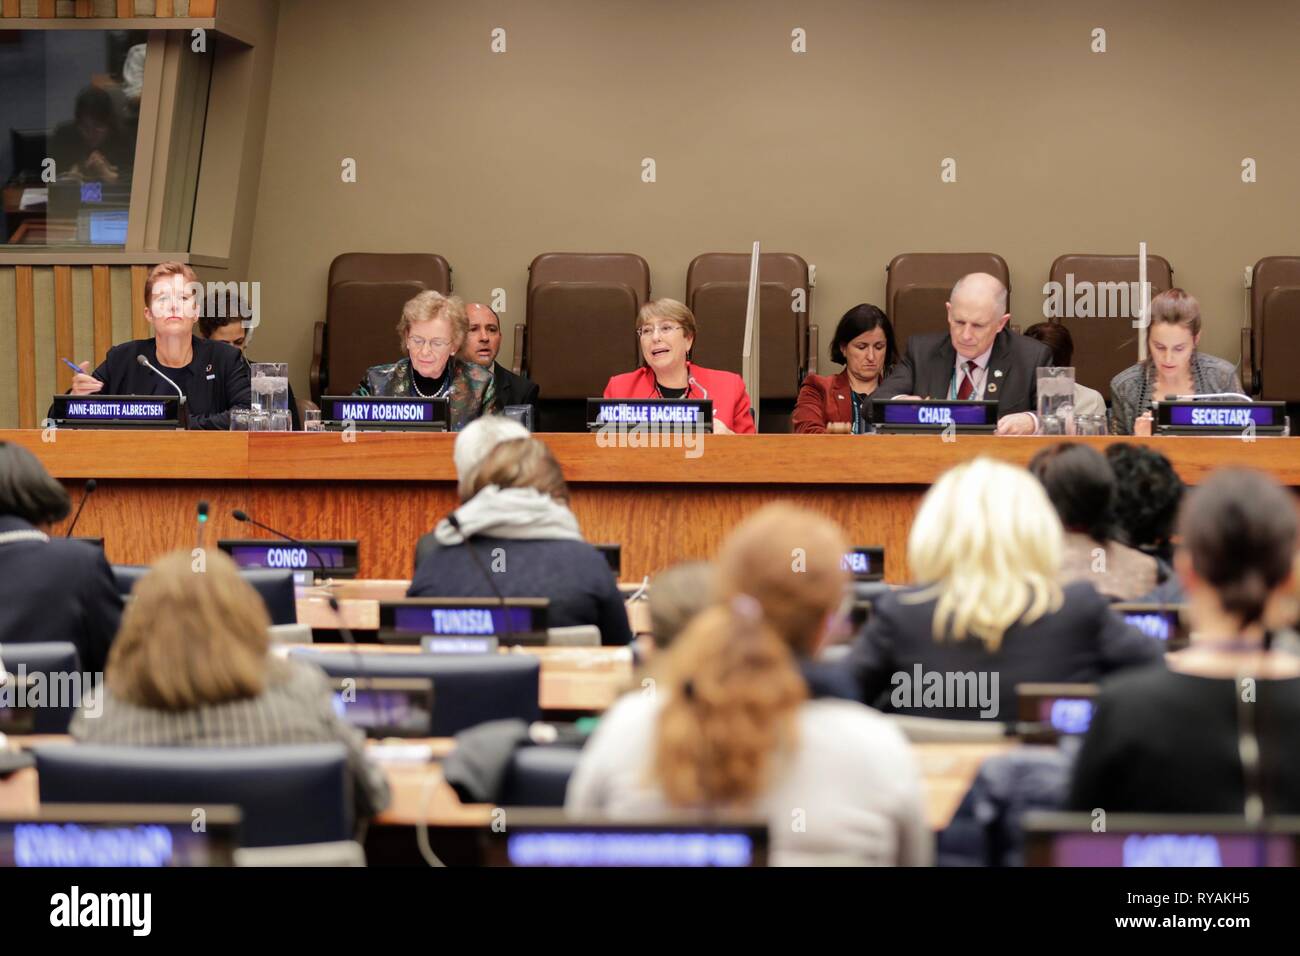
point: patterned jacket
(473, 391)
(1130, 390)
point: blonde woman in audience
(986, 550)
(731, 727)
(191, 668)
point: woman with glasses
(666, 329)
(212, 375)
(432, 330)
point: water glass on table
(239, 419)
(311, 420)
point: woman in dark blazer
(864, 345)
(211, 374)
(518, 522)
(51, 589)
(987, 547)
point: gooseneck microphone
(487, 575)
(144, 360)
(243, 516)
(203, 522)
(91, 485)
(1190, 398)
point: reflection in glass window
(68, 118)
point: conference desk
(661, 504)
(574, 680)
(419, 791)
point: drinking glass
(311, 420)
(239, 419)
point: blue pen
(76, 368)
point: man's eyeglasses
(664, 329)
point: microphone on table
(243, 516)
(487, 575)
(1190, 398)
(203, 522)
(144, 360)
(91, 485)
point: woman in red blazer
(666, 329)
(864, 345)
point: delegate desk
(663, 504)
(419, 791)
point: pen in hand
(78, 370)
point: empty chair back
(1098, 301)
(362, 327)
(288, 795)
(466, 690)
(717, 292)
(917, 285)
(365, 295)
(539, 776)
(581, 321)
(57, 662)
(1272, 351)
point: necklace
(439, 392)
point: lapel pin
(993, 387)
(208, 369)
(997, 373)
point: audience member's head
(977, 312)
(1238, 544)
(483, 335)
(190, 636)
(1081, 487)
(1057, 338)
(988, 544)
(677, 594)
(731, 679)
(26, 489)
(521, 463)
(1147, 494)
(864, 343)
(475, 442)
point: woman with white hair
(988, 613)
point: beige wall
(833, 154)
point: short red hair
(161, 271)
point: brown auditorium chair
(1270, 348)
(717, 292)
(581, 323)
(1104, 347)
(364, 303)
(918, 285)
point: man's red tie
(967, 388)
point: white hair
(476, 442)
(989, 544)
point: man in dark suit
(979, 358)
(482, 344)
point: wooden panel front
(387, 489)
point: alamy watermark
(920, 689)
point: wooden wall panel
(11, 8)
(25, 344)
(164, 8)
(203, 8)
(139, 327)
(126, 8)
(47, 8)
(103, 310)
(64, 330)
(85, 8)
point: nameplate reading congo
(650, 412)
(116, 411)
(378, 413)
(338, 558)
(901, 416)
(1221, 418)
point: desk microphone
(144, 360)
(1191, 398)
(487, 575)
(243, 516)
(203, 522)
(91, 485)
